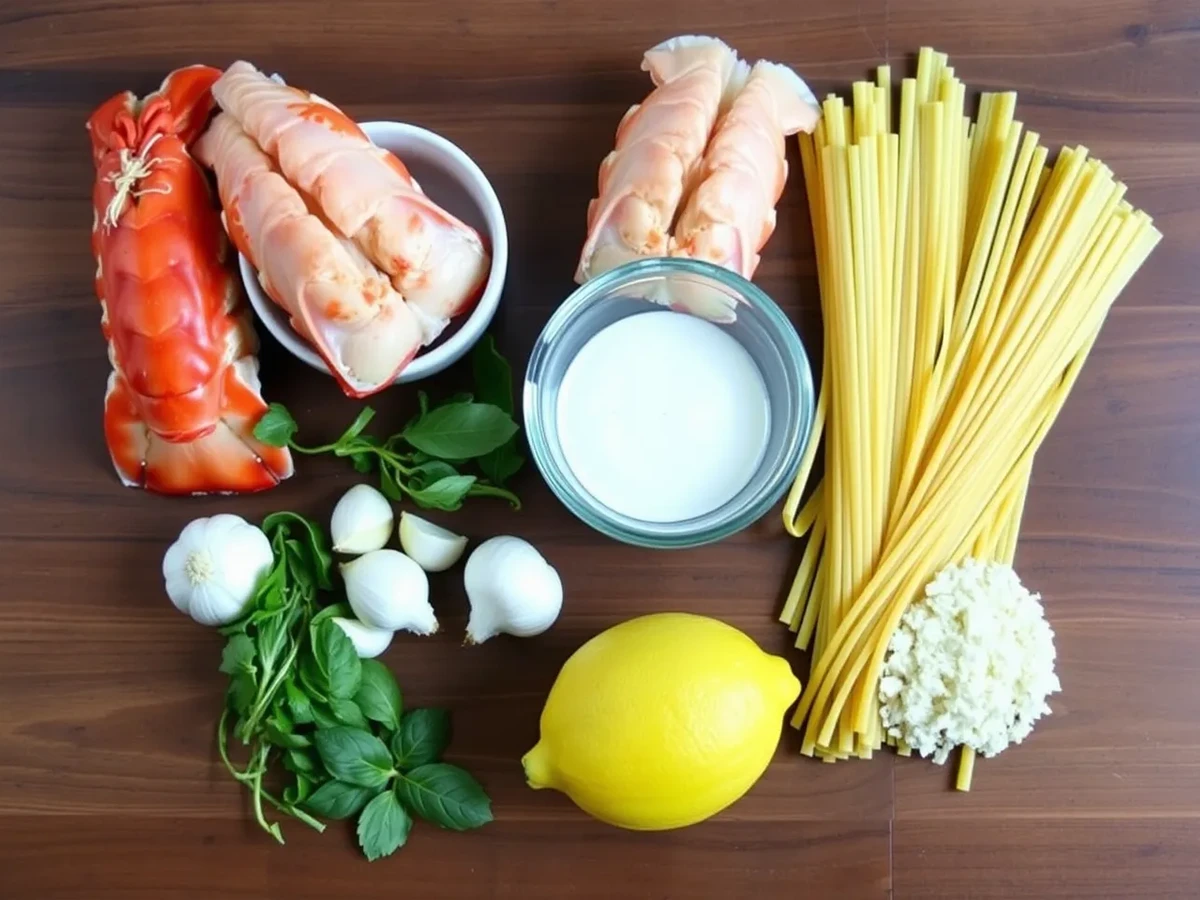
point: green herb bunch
(427, 460)
(330, 724)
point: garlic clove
(368, 642)
(433, 548)
(361, 521)
(512, 590)
(388, 590)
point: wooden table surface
(109, 784)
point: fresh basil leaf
(271, 597)
(445, 493)
(279, 734)
(492, 374)
(378, 694)
(238, 655)
(296, 793)
(241, 693)
(493, 384)
(348, 713)
(276, 426)
(339, 800)
(323, 717)
(341, 609)
(339, 666)
(311, 679)
(236, 627)
(502, 463)
(298, 704)
(320, 560)
(360, 422)
(461, 430)
(279, 711)
(383, 826)
(421, 738)
(445, 795)
(426, 473)
(272, 639)
(355, 756)
(302, 761)
(389, 484)
(299, 563)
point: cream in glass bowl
(668, 402)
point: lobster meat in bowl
(364, 270)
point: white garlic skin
(512, 590)
(368, 642)
(361, 521)
(214, 567)
(388, 590)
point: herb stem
(268, 694)
(491, 490)
(272, 828)
(313, 451)
(293, 811)
(223, 750)
(394, 460)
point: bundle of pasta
(963, 283)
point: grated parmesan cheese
(972, 662)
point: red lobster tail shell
(183, 396)
(180, 107)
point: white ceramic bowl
(453, 181)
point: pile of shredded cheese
(971, 663)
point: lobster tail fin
(674, 57)
(225, 459)
(182, 104)
(111, 125)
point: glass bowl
(709, 292)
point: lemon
(661, 721)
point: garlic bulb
(512, 589)
(214, 567)
(431, 547)
(362, 521)
(388, 590)
(368, 642)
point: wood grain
(109, 787)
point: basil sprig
(430, 460)
(300, 700)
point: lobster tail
(183, 103)
(180, 107)
(183, 396)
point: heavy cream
(663, 416)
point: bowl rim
(655, 535)
(275, 319)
